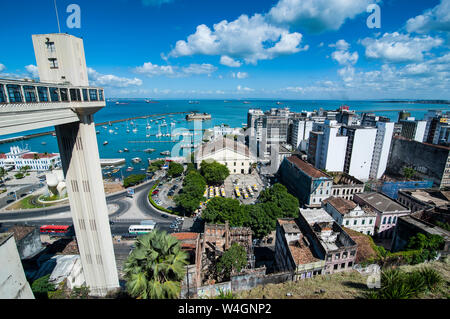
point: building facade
(387, 211)
(350, 215)
(310, 185)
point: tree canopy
(232, 260)
(155, 268)
(191, 195)
(214, 172)
(175, 169)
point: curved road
(119, 227)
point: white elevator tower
(60, 60)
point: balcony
(26, 104)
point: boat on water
(111, 131)
(278, 103)
(134, 130)
(105, 142)
(129, 169)
(136, 160)
(43, 143)
(120, 151)
(97, 132)
(246, 102)
(121, 103)
(115, 170)
(149, 150)
(194, 102)
(126, 149)
(165, 153)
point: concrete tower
(60, 59)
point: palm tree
(3, 172)
(155, 268)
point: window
(344, 255)
(335, 267)
(53, 63)
(355, 222)
(363, 222)
(353, 253)
(394, 220)
(14, 93)
(347, 222)
(64, 96)
(85, 95)
(337, 256)
(242, 171)
(389, 220)
(350, 264)
(342, 265)
(50, 46)
(328, 257)
(370, 221)
(75, 95)
(234, 163)
(43, 94)
(100, 95)
(93, 95)
(2, 94)
(54, 94)
(384, 220)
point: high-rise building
(301, 128)
(359, 151)
(413, 129)
(380, 157)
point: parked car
(164, 216)
(170, 193)
(156, 191)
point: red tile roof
(185, 236)
(307, 168)
(41, 155)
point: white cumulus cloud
(248, 38)
(32, 70)
(397, 48)
(240, 75)
(317, 16)
(435, 19)
(226, 60)
(111, 80)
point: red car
(156, 191)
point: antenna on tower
(57, 17)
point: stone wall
(427, 160)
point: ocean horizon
(230, 112)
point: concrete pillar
(81, 165)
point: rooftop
(380, 202)
(315, 215)
(307, 168)
(342, 205)
(435, 197)
(21, 232)
(289, 225)
(4, 237)
(301, 253)
(221, 143)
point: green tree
(232, 261)
(279, 195)
(262, 221)
(214, 172)
(133, 180)
(175, 169)
(156, 267)
(41, 287)
(220, 209)
(191, 195)
(408, 172)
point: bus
(57, 230)
(140, 229)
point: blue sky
(281, 49)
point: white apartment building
(300, 133)
(359, 152)
(223, 130)
(349, 214)
(330, 147)
(380, 157)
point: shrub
(133, 180)
(41, 287)
(431, 277)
